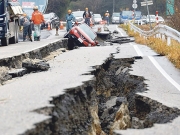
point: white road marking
(161, 70)
(119, 31)
(138, 51)
(164, 73)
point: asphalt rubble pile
(108, 102)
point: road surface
(20, 96)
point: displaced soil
(106, 103)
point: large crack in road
(108, 102)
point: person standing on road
(37, 19)
(25, 22)
(69, 19)
(107, 17)
(87, 16)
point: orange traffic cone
(61, 26)
(49, 27)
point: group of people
(37, 19)
(86, 15)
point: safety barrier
(159, 31)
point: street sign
(146, 3)
(169, 7)
(134, 1)
(134, 5)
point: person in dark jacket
(69, 19)
(87, 16)
(27, 31)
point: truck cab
(9, 21)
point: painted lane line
(119, 31)
(138, 51)
(161, 70)
(164, 73)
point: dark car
(50, 19)
(81, 35)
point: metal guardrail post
(163, 31)
(168, 40)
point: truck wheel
(17, 32)
(12, 40)
(5, 41)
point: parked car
(97, 18)
(81, 35)
(152, 18)
(125, 16)
(138, 16)
(50, 18)
(161, 19)
(78, 16)
(115, 17)
(144, 19)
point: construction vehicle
(27, 6)
(10, 11)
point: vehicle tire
(17, 32)
(14, 39)
(5, 41)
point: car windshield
(138, 14)
(115, 15)
(127, 13)
(46, 16)
(88, 31)
(97, 16)
(151, 16)
(78, 13)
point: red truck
(81, 35)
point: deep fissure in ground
(106, 103)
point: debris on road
(4, 76)
(103, 33)
(81, 35)
(18, 72)
(35, 65)
(121, 40)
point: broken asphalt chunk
(35, 65)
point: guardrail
(159, 31)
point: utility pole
(148, 14)
(146, 3)
(113, 6)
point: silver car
(115, 17)
(97, 18)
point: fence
(160, 31)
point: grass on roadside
(172, 51)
